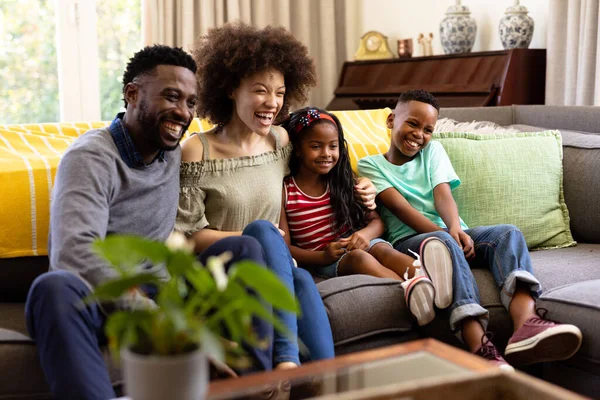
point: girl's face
(319, 148)
(258, 100)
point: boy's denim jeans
(313, 326)
(501, 249)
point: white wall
(401, 19)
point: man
(120, 179)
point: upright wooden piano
(492, 78)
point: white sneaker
(435, 259)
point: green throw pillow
(512, 178)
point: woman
(231, 176)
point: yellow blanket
(29, 155)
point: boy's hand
(365, 192)
(357, 241)
(465, 242)
(333, 251)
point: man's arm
(393, 200)
(79, 214)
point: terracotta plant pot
(181, 377)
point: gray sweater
(95, 193)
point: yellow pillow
(365, 131)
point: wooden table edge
(439, 349)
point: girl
(327, 229)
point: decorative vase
(151, 377)
(458, 29)
(516, 27)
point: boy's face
(412, 125)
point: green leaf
(201, 280)
(266, 284)
(211, 344)
(130, 251)
(113, 289)
(179, 262)
(257, 308)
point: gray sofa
(366, 312)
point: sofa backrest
(580, 129)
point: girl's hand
(333, 251)
(365, 192)
(465, 242)
(357, 241)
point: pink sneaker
(540, 340)
(488, 351)
(419, 294)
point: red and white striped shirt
(310, 219)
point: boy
(414, 180)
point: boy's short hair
(418, 95)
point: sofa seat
(18, 354)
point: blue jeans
(313, 326)
(69, 337)
(501, 249)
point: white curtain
(573, 54)
(330, 29)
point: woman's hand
(333, 251)
(280, 230)
(365, 192)
(465, 242)
(357, 241)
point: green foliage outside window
(28, 63)
(28, 57)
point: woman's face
(258, 100)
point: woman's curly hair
(234, 51)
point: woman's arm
(401, 208)
(365, 192)
(204, 238)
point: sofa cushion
(578, 304)
(22, 375)
(359, 306)
(560, 267)
(581, 164)
(512, 178)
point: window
(63, 59)
(28, 62)
(119, 36)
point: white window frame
(78, 66)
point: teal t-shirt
(415, 180)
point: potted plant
(164, 343)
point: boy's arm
(302, 256)
(393, 200)
(446, 207)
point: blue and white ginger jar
(458, 29)
(516, 27)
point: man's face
(165, 105)
(412, 125)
